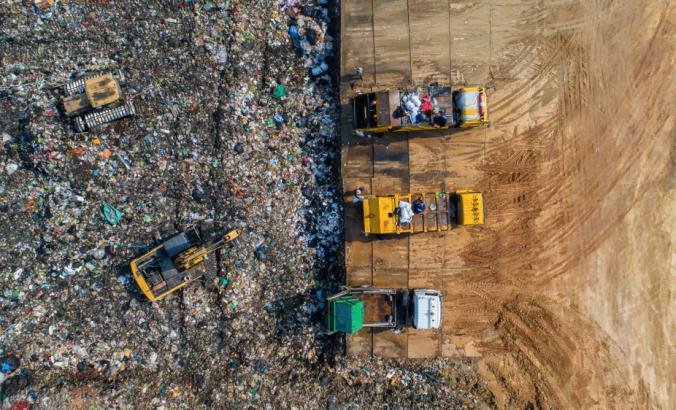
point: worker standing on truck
(440, 119)
(427, 106)
(418, 206)
(358, 195)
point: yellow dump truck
(95, 100)
(176, 262)
(419, 109)
(423, 212)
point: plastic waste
(111, 214)
(279, 92)
(404, 212)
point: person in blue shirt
(418, 206)
(440, 119)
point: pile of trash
(235, 121)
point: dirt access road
(565, 296)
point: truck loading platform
(400, 43)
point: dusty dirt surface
(565, 295)
(579, 175)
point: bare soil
(579, 175)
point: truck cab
(427, 308)
(470, 107)
(468, 207)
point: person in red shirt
(427, 107)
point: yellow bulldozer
(422, 212)
(95, 100)
(177, 261)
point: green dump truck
(353, 309)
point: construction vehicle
(386, 111)
(94, 100)
(177, 261)
(423, 212)
(470, 107)
(367, 307)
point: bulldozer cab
(102, 90)
(75, 104)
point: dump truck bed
(438, 214)
(441, 95)
(442, 212)
(383, 309)
(367, 307)
(377, 111)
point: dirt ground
(567, 292)
(580, 178)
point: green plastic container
(347, 314)
(278, 92)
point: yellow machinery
(470, 107)
(398, 110)
(430, 212)
(380, 214)
(95, 100)
(175, 263)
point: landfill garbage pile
(236, 113)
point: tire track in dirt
(544, 210)
(544, 364)
(606, 180)
(599, 188)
